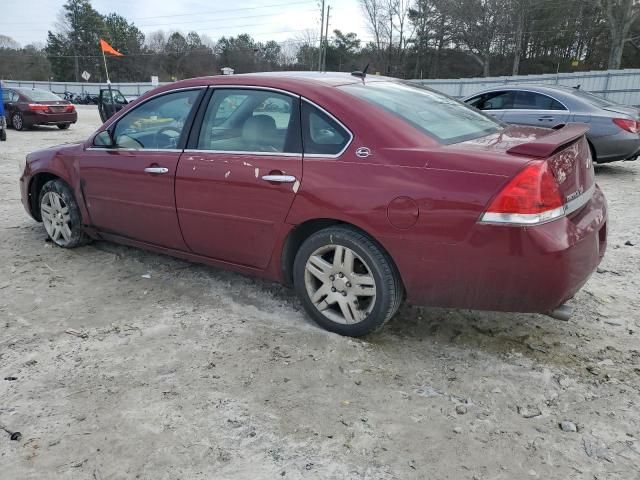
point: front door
(10, 99)
(129, 185)
(110, 101)
(236, 182)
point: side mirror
(103, 139)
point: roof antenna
(577, 87)
(361, 74)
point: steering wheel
(173, 139)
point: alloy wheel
(16, 121)
(56, 218)
(340, 284)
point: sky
(27, 21)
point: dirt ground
(188, 372)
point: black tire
(17, 121)
(594, 157)
(77, 237)
(64, 126)
(389, 291)
(3, 135)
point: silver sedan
(614, 132)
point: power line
(197, 13)
(227, 26)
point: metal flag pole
(104, 57)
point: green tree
(126, 38)
(77, 41)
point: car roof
(290, 79)
(27, 90)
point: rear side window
(441, 117)
(252, 121)
(321, 134)
(36, 95)
(535, 101)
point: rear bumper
(42, 118)
(622, 146)
(503, 268)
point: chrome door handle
(279, 178)
(156, 170)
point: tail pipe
(563, 312)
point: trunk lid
(568, 155)
(630, 111)
(565, 150)
(55, 106)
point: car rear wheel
(60, 215)
(346, 282)
(63, 126)
(17, 121)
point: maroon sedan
(360, 192)
(26, 107)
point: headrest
(259, 127)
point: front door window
(156, 124)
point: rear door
(237, 181)
(536, 109)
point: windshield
(36, 95)
(439, 116)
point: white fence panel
(621, 86)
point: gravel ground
(196, 373)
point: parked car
(614, 130)
(26, 107)
(360, 192)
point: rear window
(36, 95)
(441, 117)
(591, 98)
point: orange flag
(106, 48)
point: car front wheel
(61, 215)
(346, 282)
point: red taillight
(530, 197)
(38, 107)
(627, 124)
(70, 108)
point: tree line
(407, 39)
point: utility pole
(326, 41)
(321, 30)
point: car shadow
(413, 328)
(42, 128)
(617, 169)
(534, 336)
